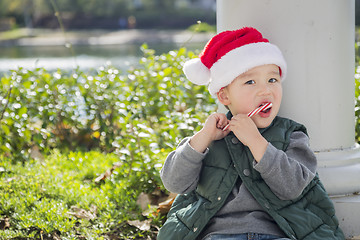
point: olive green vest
(311, 216)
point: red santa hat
(229, 54)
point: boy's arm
(288, 173)
(181, 170)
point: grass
(58, 197)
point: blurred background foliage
(108, 14)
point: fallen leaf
(107, 173)
(142, 225)
(143, 201)
(35, 153)
(164, 207)
(55, 236)
(82, 213)
(152, 210)
(157, 196)
(4, 223)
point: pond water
(86, 57)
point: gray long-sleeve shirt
(286, 173)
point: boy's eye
(250, 82)
(272, 80)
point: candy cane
(254, 112)
(259, 109)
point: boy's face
(252, 89)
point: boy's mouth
(260, 109)
(266, 110)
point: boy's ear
(223, 97)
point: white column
(317, 40)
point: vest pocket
(192, 215)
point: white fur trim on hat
(196, 72)
(242, 59)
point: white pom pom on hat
(229, 54)
(197, 72)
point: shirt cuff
(266, 164)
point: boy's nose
(264, 90)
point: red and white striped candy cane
(254, 112)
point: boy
(245, 177)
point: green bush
(143, 110)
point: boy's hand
(244, 129)
(211, 131)
(247, 132)
(213, 126)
